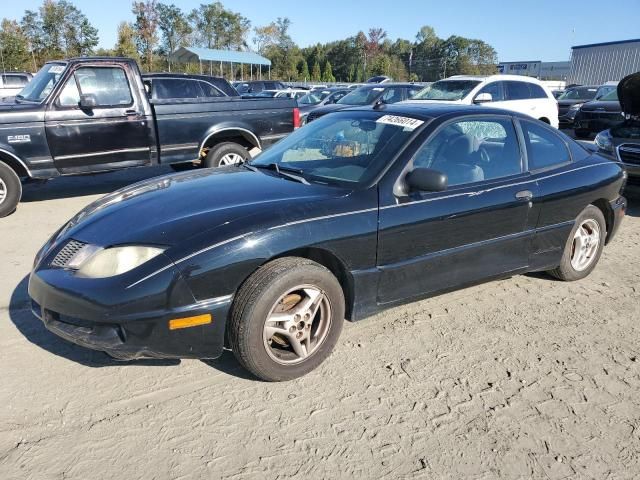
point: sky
(518, 30)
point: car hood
(170, 209)
(568, 103)
(9, 104)
(597, 105)
(629, 94)
(334, 107)
(434, 102)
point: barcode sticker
(406, 122)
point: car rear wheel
(584, 246)
(226, 153)
(286, 319)
(580, 133)
(10, 190)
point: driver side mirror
(426, 180)
(483, 98)
(88, 101)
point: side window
(392, 95)
(209, 90)
(109, 85)
(173, 88)
(471, 151)
(412, 91)
(495, 90)
(517, 91)
(14, 81)
(537, 91)
(544, 148)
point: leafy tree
(217, 27)
(327, 74)
(303, 68)
(126, 43)
(316, 74)
(146, 28)
(174, 28)
(14, 47)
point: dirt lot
(522, 378)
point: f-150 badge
(19, 138)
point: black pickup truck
(89, 115)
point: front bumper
(79, 317)
(595, 124)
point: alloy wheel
(586, 243)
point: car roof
(431, 110)
(182, 75)
(390, 84)
(482, 78)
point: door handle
(525, 195)
(130, 113)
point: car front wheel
(286, 319)
(226, 153)
(10, 190)
(584, 246)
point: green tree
(126, 43)
(146, 28)
(316, 74)
(174, 29)
(327, 73)
(217, 27)
(14, 47)
(303, 68)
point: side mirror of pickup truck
(88, 101)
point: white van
(12, 83)
(512, 92)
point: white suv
(511, 92)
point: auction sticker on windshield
(406, 122)
(55, 69)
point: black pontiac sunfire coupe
(358, 211)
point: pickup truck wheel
(584, 246)
(286, 319)
(10, 190)
(226, 153)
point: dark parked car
(257, 86)
(318, 98)
(387, 93)
(598, 115)
(88, 115)
(164, 86)
(356, 212)
(570, 101)
(623, 140)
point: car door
(497, 92)
(518, 98)
(115, 132)
(478, 228)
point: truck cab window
(108, 84)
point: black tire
(218, 152)
(254, 302)
(565, 271)
(580, 133)
(10, 190)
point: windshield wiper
(288, 172)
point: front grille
(64, 256)
(629, 153)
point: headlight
(116, 260)
(603, 141)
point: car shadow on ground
(82, 185)
(35, 332)
(632, 194)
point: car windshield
(612, 96)
(313, 98)
(266, 93)
(583, 93)
(361, 96)
(42, 83)
(447, 90)
(604, 90)
(347, 148)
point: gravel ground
(522, 378)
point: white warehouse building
(598, 63)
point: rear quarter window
(545, 149)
